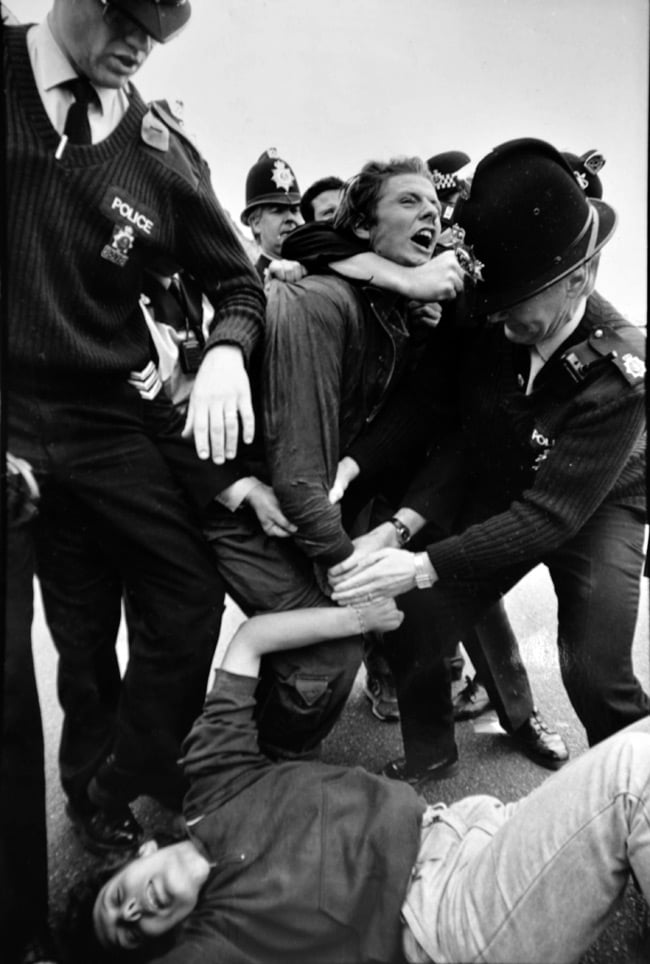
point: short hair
(318, 187)
(80, 942)
(358, 207)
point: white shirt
(51, 68)
(540, 353)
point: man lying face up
(304, 861)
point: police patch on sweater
(131, 219)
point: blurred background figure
(321, 199)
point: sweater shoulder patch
(620, 347)
(165, 135)
(625, 348)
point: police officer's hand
(22, 492)
(438, 280)
(220, 398)
(264, 502)
(387, 572)
(283, 270)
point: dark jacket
(311, 862)
(536, 467)
(334, 352)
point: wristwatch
(423, 576)
(403, 532)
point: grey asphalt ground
(490, 763)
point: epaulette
(624, 348)
(159, 125)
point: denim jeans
(536, 880)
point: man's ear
(147, 848)
(362, 232)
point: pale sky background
(333, 83)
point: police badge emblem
(122, 240)
(282, 176)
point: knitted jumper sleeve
(218, 260)
(598, 442)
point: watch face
(403, 533)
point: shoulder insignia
(624, 347)
(163, 132)
(154, 133)
(162, 110)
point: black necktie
(77, 125)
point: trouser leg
(302, 692)
(23, 839)
(82, 598)
(418, 653)
(538, 880)
(493, 649)
(596, 578)
(98, 453)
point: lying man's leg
(536, 880)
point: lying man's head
(141, 902)
(395, 208)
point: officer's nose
(139, 39)
(294, 215)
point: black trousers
(596, 577)
(101, 475)
(23, 841)
(301, 693)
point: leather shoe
(471, 701)
(542, 745)
(40, 949)
(114, 831)
(440, 770)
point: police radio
(190, 349)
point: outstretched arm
(304, 627)
(440, 279)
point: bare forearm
(271, 632)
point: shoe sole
(461, 715)
(542, 761)
(444, 773)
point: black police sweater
(83, 226)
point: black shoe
(471, 701)
(40, 949)
(380, 690)
(440, 770)
(543, 746)
(114, 831)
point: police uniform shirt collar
(52, 68)
(542, 352)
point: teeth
(424, 236)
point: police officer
(272, 209)
(101, 188)
(552, 466)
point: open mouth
(128, 63)
(424, 238)
(156, 900)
